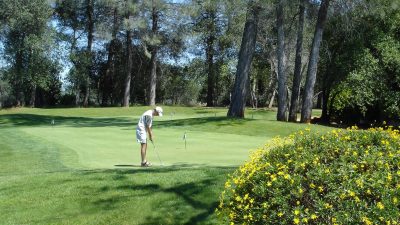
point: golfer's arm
(150, 133)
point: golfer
(144, 127)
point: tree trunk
(282, 92)
(271, 102)
(90, 24)
(313, 63)
(153, 78)
(110, 71)
(297, 67)
(210, 61)
(77, 96)
(153, 64)
(253, 94)
(33, 96)
(17, 83)
(128, 69)
(246, 53)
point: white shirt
(145, 120)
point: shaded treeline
(294, 55)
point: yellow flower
(312, 185)
(238, 198)
(280, 214)
(342, 196)
(305, 220)
(395, 200)
(328, 206)
(389, 176)
(313, 216)
(296, 212)
(366, 220)
(296, 220)
(246, 196)
(380, 205)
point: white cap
(159, 110)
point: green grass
(85, 169)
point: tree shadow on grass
(54, 121)
(218, 121)
(184, 201)
(11, 120)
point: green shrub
(341, 177)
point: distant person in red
(144, 127)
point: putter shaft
(154, 147)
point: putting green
(110, 147)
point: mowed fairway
(85, 169)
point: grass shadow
(219, 121)
(192, 201)
(10, 120)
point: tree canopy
(340, 56)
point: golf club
(154, 147)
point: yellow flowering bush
(341, 177)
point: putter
(154, 147)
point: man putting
(144, 127)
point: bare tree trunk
(128, 76)
(313, 63)
(90, 24)
(253, 93)
(77, 96)
(271, 102)
(153, 73)
(33, 96)
(297, 67)
(110, 71)
(17, 83)
(246, 53)
(210, 61)
(282, 94)
(153, 78)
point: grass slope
(84, 169)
